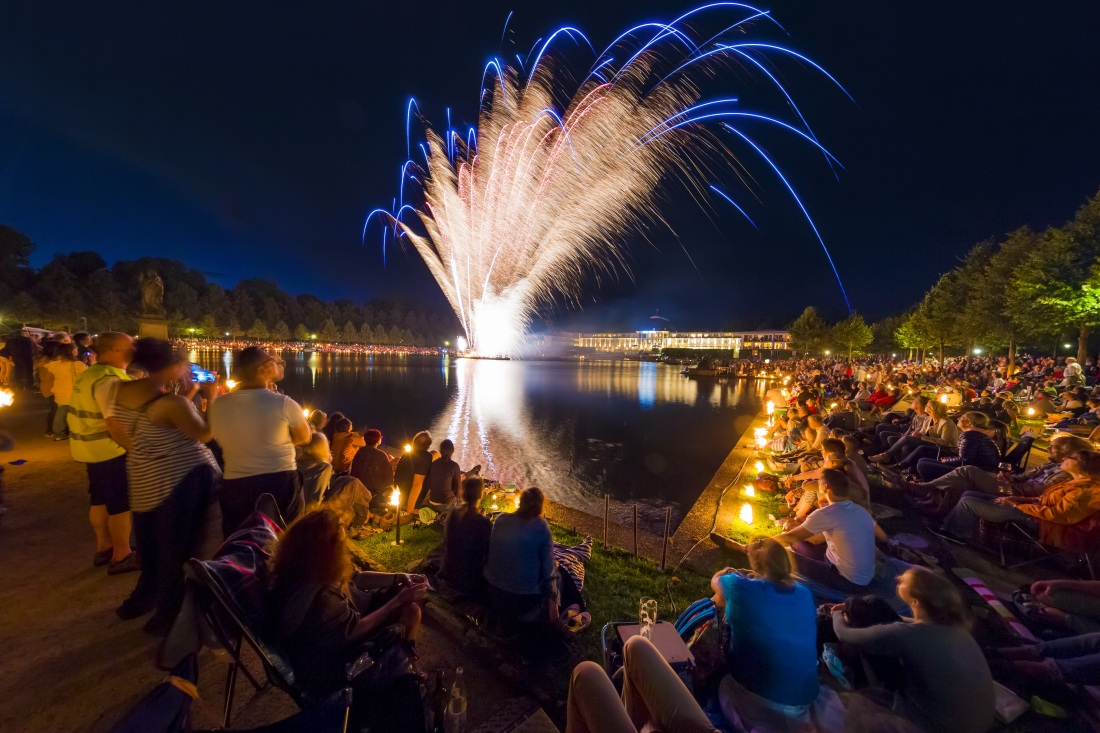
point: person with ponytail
(466, 534)
(947, 683)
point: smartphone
(198, 374)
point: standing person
(257, 429)
(91, 443)
(21, 350)
(412, 468)
(171, 473)
(1071, 375)
(84, 353)
(45, 381)
(62, 372)
(947, 684)
(444, 479)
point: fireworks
(541, 196)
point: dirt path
(69, 663)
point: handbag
(388, 656)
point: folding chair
(1020, 454)
(1079, 541)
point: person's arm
(882, 639)
(373, 621)
(456, 484)
(181, 413)
(300, 434)
(797, 534)
(1083, 587)
(1071, 507)
(105, 395)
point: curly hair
(311, 551)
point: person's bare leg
(119, 527)
(653, 693)
(593, 705)
(97, 515)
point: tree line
(78, 291)
(1031, 288)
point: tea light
(750, 490)
(1031, 412)
(746, 513)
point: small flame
(395, 497)
(7, 398)
(305, 412)
(231, 384)
(750, 490)
(833, 406)
(746, 513)
(943, 398)
(408, 448)
(1030, 411)
(771, 407)
(759, 466)
(493, 507)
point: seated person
(771, 656)
(949, 488)
(466, 533)
(314, 468)
(975, 448)
(412, 469)
(846, 561)
(345, 444)
(317, 420)
(322, 612)
(523, 585)
(1070, 604)
(1067, 502)
(1072, 660)
(443, 480)
(1040, 407)
(654, 698)
(939, 432)
(947, 685)
(372, 466)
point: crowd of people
(161, 450)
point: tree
(914, 333)
(15, 252)
(808, 332)
(234, 330)
(853, 334)
(281, 332)
(940, 311)
(885, 340)
(993, 299)
(258, 330)
(349, 334)
(1058, 284)
(301, 333)
(329, 332)
(366, 335)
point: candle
(746, 513)
(1030, 411)
(759, 466)
(943, 398)
(750, 490)
(395, 501)
(7, 397)
(770, 407)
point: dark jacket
(976, 449)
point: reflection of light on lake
(227, 362)
(647, 384)
(313, 369)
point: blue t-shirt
(773, 639)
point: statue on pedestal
(152, 294)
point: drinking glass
(647, 616)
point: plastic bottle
(456, 706)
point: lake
(639, 431)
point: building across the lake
(753, 343)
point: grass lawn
(763, 505)
(614, 583)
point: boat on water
(705, 368)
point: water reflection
(638, 431)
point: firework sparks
(527, 206)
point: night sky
(250, 139)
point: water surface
(636, 430)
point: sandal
(577, 623)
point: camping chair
(1080, 541)
(1020, 454)
(328, 716)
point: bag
(766, 482)
(388, 656)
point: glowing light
(833, 406)
(750, 490)
(494, 507)
(395, 497)
(770, 407)
(461, 344)
(1030, 411)
(305, 412)
(1068, 346)
(827, 352)
(231, 384)
(408, 448)
(539, 198)
(759, 466)
(746, 513)
(7, 397)
(943, 398)
(785, 393)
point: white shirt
(252, 426)
(1072, 369)
(850, 536)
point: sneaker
(943, 534)
(879, 458)
(726, 542)
(129, 564)
(102, 558)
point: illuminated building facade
(753, 343)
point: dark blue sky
(251, 139)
